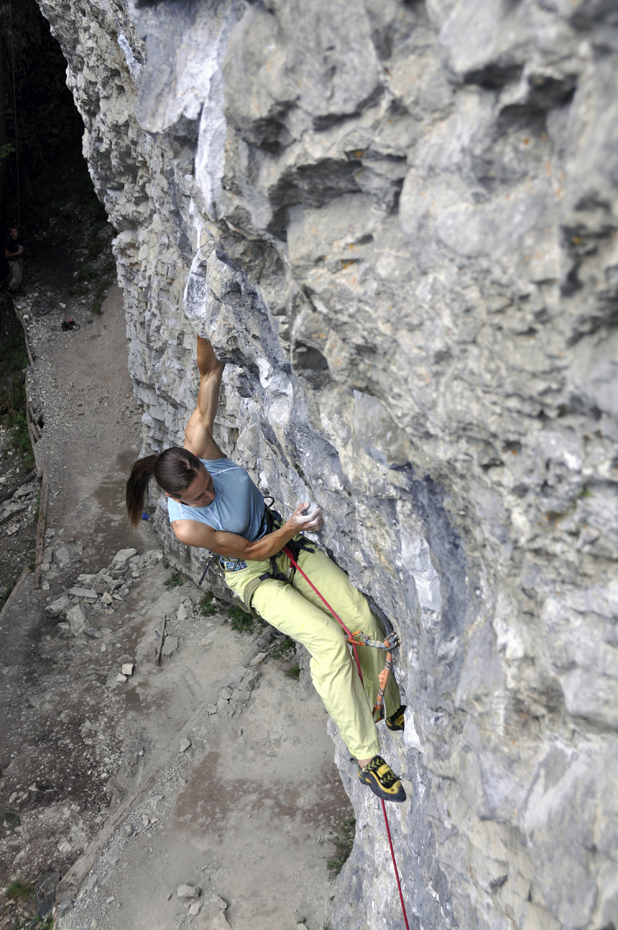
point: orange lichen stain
(543, 137)
(337, 361)
(513, 451)
(526, 258)
(322, 335)
(526, 141)
(351, 245)
(576, 239)
(386, 71)
(347, 264)
(548, 167)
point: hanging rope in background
(15, 117)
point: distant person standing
(13, 252)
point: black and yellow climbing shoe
(396, 720)
(382, 780)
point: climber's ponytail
(137, 486)
(174, 470)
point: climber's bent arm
(198, 433)
(232, 546)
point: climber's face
(201, 491)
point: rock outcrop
(397, 223)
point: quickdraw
(391, 642)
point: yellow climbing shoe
(396, 721)
(382, 780)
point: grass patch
(281, 651)
(4, 596)
(11, 820)
(208, 606)
(245, 623)
(20, 891)
(293, 672)
(344, 842)
(175, 580)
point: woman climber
(213, 504)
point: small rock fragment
(122, 556)
(106, 598)
(62, 556)
(128, 829)
(258, 659)
(121, 678)
(59, 606)
(82, 592)
(188, 891)
(170, 645)
(218, 902)
(127, 669)
(76, 618)
(184, 745)
(195, 909)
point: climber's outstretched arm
(198, 434)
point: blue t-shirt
(238, 506)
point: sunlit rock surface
(397, 222)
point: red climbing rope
(350, 636)
(390, 843)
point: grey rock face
(397, 224)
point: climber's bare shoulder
(199, 440)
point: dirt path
(238, 813)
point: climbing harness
(292, 550)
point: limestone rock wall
(396, 220)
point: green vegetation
(4, 596)
(175, 580)
(293, 672)
(20, 891)
(11, 820)
(47, 923)
(208, 606)
(245, 623)
(281, 651)
(344, 841)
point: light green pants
(298, 612)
